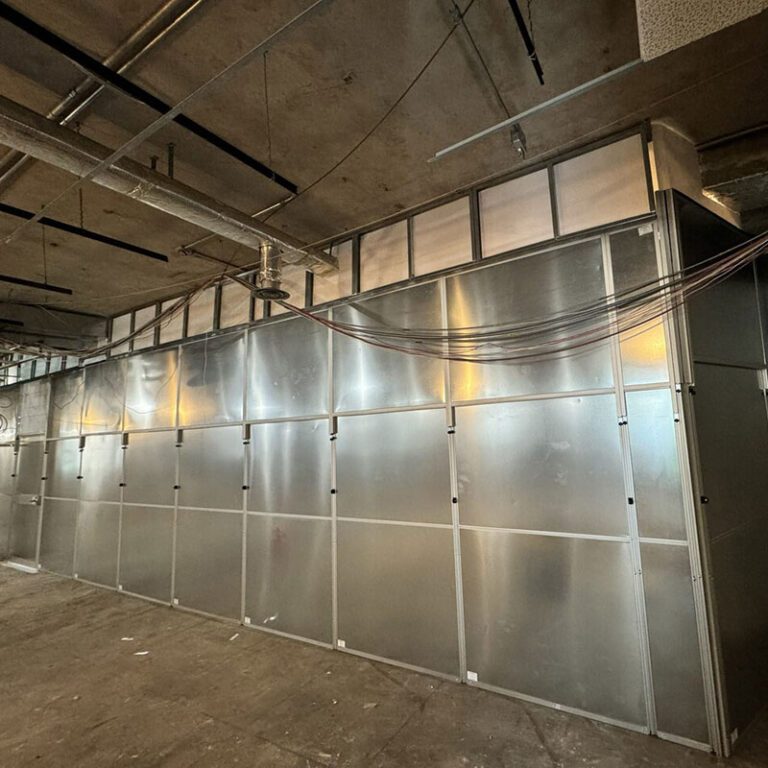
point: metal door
(25, 518)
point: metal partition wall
(522, 528)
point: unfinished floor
(92, 678)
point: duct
(144, 38)
(28, 132)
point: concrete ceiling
(330, 82)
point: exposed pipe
(94, 68)
(144, 134)
(555, 100)
(88, 234)
(28, 132)
(526, 35)
(144, 39)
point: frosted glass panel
(201, 312)
(516, 213)
(121, 327)
(235, 305)
(171, 330)
(335, 285)
(141, 317)
(442, 237)
(294, 282)
(607, 184)
(384, 256)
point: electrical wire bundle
(524, 341)
(547, 336)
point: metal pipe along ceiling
(29, 132)
(144, 38)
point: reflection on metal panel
(516, 213)
(655, 468)
(548, 465)
(97, 526)
(63, 469)
(289, 468)
(287, 370)
(288, 577)
(23, 534)
(9, 403)
(57, 542)
(211, 468)
(516, 291)
(66, 404)
(33, 411)
(675, 658)
(442, 237)
(104, 396)
(604, 185)
(554, 617)
(384, 256)
(212, 381)
(394, 466)
(397, 596)
(643, 349)
(151, 380)
(208, 561)
(146, 549)
(369, 377)
(102, 468)
(150, 468)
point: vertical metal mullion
(217, 299)
(156, 329)
(630, 504)
(553, 201)
(454, 491)
(696, 528)
(333, 431)
(356, 264)
(474, 225)
(409, 245)
(309, 289)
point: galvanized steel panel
(397, 596)
(655, 467)
(150, 468)
(146, 551)
(63, 468)
(549, 465)
(211, 468)
(287, 370)
(66, 404)
(289, 468)
(369, 377)
(675, 656)
(151, 381)
(555, 618)
(9, 404)
(29, 469)
(104, 397)
(394, 466)
(96, 554)
(211, 390)
(208, 561)
(57, 542)
(33, 410)
(24, 524)
(102, 468)
(516, 291)
(288, 575)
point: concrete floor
(92, 678)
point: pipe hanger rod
(554, 101)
